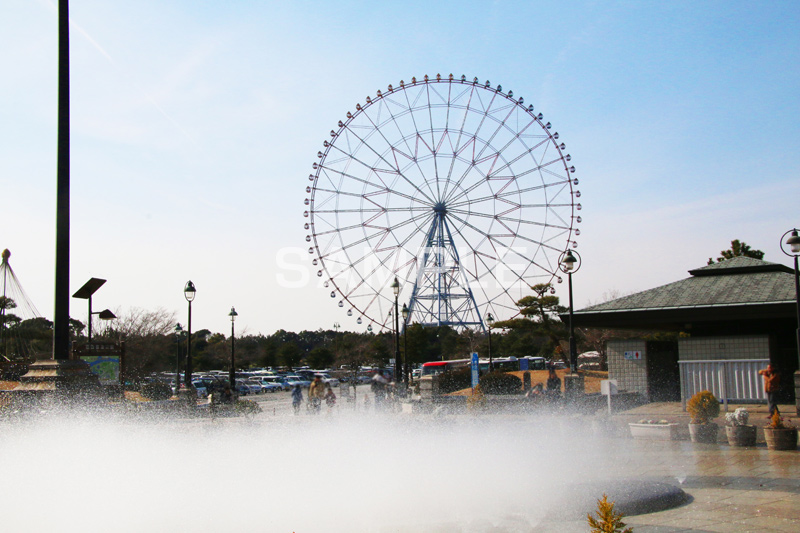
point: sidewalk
(733, 489)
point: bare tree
(148, 337)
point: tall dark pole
(61, 315)
(90, 321)
(491, 362)
(794, 246)
(573, 352)
(570, 264)
(797, 297)
(232, 375)
(490, 321)
(398, 365)
(407, 366)
(187, 377)
(178, 329)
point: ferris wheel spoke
(417, 137)
(379, 156)
(392, 148)
(489, 270)
(529, 151)
(379, 231)
(500, 125)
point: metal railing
(730, 380)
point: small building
(733, 317)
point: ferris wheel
(458, 190)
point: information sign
(475, 367)
(633, 355)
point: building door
(663, 372)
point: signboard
(523, 364)
(608, 387)
(106, 367)
(637, 355)
(104, 359)
(475, 366)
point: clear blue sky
(195, 124)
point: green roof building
(737, 316)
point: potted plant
(780, 435)
(703, 407)
(653, 430)
(739, 433)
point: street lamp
(793, 242)
(189, 292)
(398, 365)
(407, 369)
(233, 314)
(490, 321)
(178, 331)
(570, 264)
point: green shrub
(500, 383)
(156, 390)
(455, 380)
(703, 407)
(247, 408)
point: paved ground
(731, 489)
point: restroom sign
(633, 355)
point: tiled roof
(736, 281)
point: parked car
(200, 387)
(327, 379)
(278, 381)
(297, 380)
(269, 386)
(242, 389)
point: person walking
(330, 397)
(297, 398)
(772, 385)
(316, 393)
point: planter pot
(781, 439)
(703, 433)
(741, 435)
(654, 431)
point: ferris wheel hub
(439, 208)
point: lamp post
(490, 321)
(178, 331)
(233, 314)
(189, 292)
(407, 368)
(570, 264)
(398, 365)
(793, 242)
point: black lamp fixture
(189, 292)
(85, 293)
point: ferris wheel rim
(428, 202)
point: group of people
(318, 392)
(551, 390)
